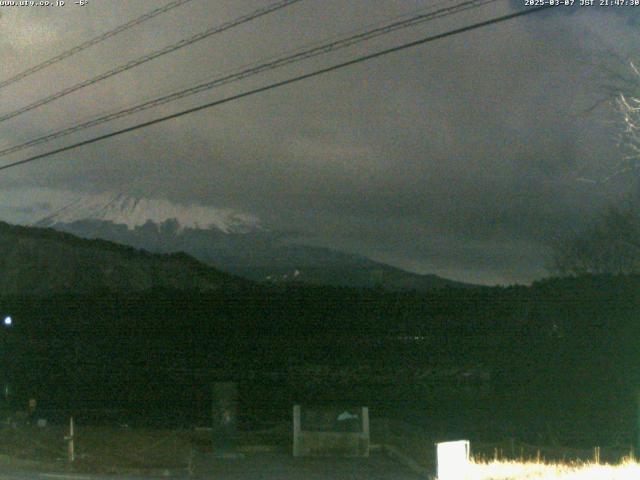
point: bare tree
(629, 106)
(612, 243)
(618, 85)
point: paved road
(275, 466)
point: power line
(255, 70)
(56, 212)
(370, 26)
(151, 56)
(227, 71)
(94, 41)
(282, 83)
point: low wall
(330, 432)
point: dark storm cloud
(458, 157)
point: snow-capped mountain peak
(136, 211)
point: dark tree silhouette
(610, 245)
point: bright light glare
(453, 460)
(543, 471)
(8, 321)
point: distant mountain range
(229, 241)
(38, 261)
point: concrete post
(70, 439)
(224, 410)
(637, 452)
(365, 420)
(297, 428)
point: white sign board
(453, 460)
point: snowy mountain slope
(133, 212)
(228, 240)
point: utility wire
(255, 70)
(151, 56)
(93, 41)
(54, 214)
(235, 69)
(227, 71)
(282, 83)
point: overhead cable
(254, 70)
(151, 56)
(282, 83)
(94, 41)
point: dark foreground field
(276, 466)
(123, 451)
(399, 451)
(151, 453)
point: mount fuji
(134, 212)
(228, 240)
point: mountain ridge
(261, 256)
(228, 240)
(38, 261)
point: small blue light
(8, 321)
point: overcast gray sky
(459, 157)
